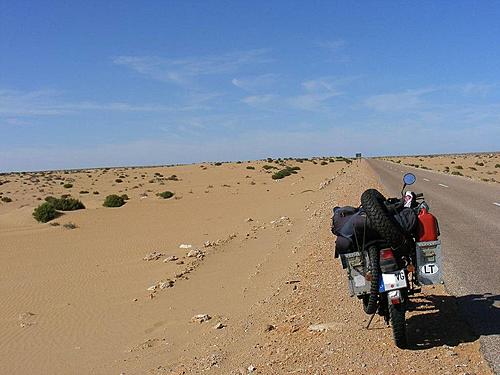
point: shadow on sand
(437, 320)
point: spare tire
(381, 220)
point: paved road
(469, 219)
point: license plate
(393, 280)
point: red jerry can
(427, 226)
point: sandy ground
(484, 167)
(76, 301)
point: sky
(109, 83)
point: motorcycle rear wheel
(398, 323)
(370, 301)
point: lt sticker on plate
(429, 269)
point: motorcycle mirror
(409, 179)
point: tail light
(387, 261)
(394, 297)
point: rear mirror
(409, 179)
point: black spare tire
(382, 221)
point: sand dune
(84, 300)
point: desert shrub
(473, 168)
(324, 163)
(250, 167)
(67, 186)
(457, 173)
(119, 180)
(6, 199)
(173, 178)
(459, 167)
(84, 192)
(166, 194)
(113, 200)
(481, 164)
(280, 174)
(267, 167)
(284, 172)
(218, 163)
(95, 192)
(124, 197)
(65, 203)
(44, 213)
(452, 162)
(70, 225)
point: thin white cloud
(254, 83)
(52, 103)
(181, 71)
(315, 96)
(395, 102)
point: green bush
(125, 197)
(497, 165)
(481, 164)
(44, 213)
(166, 194)
(6, 199)
(67, 186)
(113, 200)
(250, 167)
(267, 167)
(65, 203)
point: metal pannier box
(358, 285)
(429, 262)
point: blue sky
(100, 83)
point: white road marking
(425, 179)
(496, 204)
(443, 185)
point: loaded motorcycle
(389, 248)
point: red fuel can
(427, 226)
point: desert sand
(240, 266)
(481, 167)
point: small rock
(251, 369)
(152, 288)
(249, 220)
(219, 326)
(195, 253)
(185, 246)
(269, 327)
(323, 327)
(170, 259)
(153, 256)
(200, 318)
(166, 284)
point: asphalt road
(469, 219)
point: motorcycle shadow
(437, 320)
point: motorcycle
(390, 247)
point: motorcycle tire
(380, 219)
(370, 301)
(398, 323)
